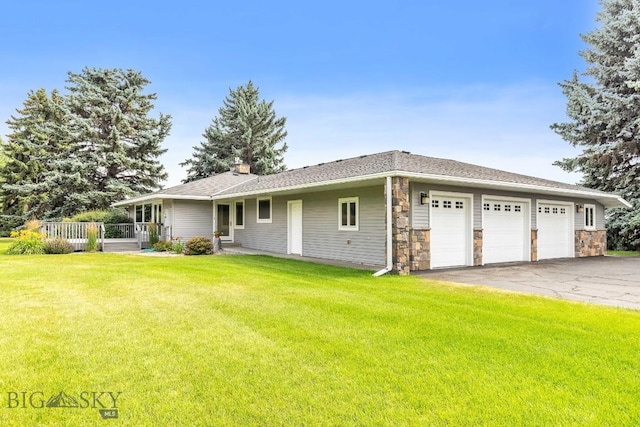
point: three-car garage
(506, 225)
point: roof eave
(608, 200)
(148, 197)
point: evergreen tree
(83, 151)
(113, 136)
(246, 128)
(35, 139)
(603, 110)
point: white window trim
(264, 220)
(586, 208)
(235, 217)
(356, 226)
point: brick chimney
(241, 168)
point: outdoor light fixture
(579, 208)
(424, 198)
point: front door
(294, 226)
(223, 221)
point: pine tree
(604, 116)
(246, 128)
(114, 136)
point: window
(487, 207)
(517, 208)
(264, 210)
(446, 204)
(435, 203)
(239, 210)
(555, 210)
(563, 211)
(547, 210)
(496, 207)
(589, 217)
(507, 208)
(348, 211)
(138, 213)
(459, 205)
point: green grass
(623, 253)
(252, 340)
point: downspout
(389, 266)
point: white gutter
(389, 266)
(608, 200)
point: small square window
(563, 211)
(487, 207)
(547, 210)
(446, 204)
(539, 209)
(435, 203)
(507, 208)
(517, 208)
(497, 207)
(555, 210)
(459, 205)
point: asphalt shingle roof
(230, 184)
(391, 161)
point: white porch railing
(146, 230)
(126, 230)
(76, 233)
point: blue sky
(467, 80)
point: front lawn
(252, 340)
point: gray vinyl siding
(320, 236)
(271, 236)
(192, 218)
(420, 213)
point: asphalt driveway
(613, 281)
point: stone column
(477, 246)
(534, 245)
(420, 249)
(400, 225)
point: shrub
(198, 246)
(162, 246)
(112, 216)
(32, 225)
(153, 234)
(92, 238)
(58, 246)
(177, 245)
(27, 242)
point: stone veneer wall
(420, 249)
(591, 243)
(534, 245)
(477, 246)
(400, 224)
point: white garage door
(450, 231)
(505, 235)
(555, 231)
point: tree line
(99, 143)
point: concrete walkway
(613, 281)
